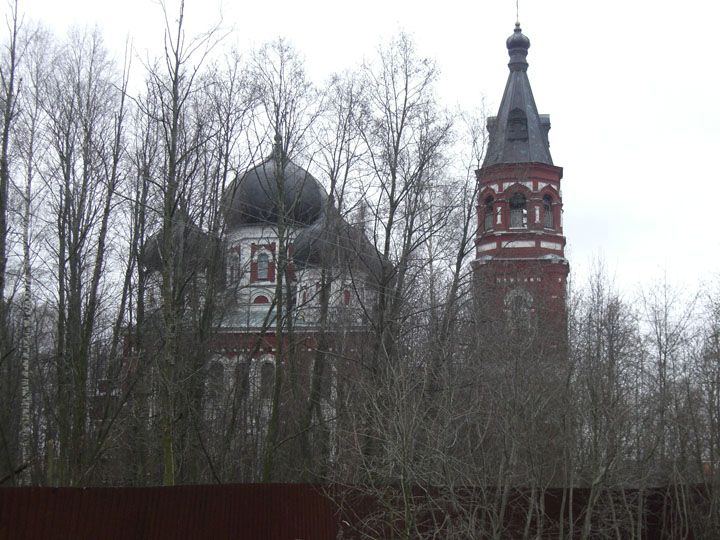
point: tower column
(520, 263)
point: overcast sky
(632, 88)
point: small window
(548, 209)
(346, 297)
(263, 266)
(261, 299)
(489, 213)
(518, 211)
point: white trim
(550, 245)
(254, 296)
(519, 244)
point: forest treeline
(108, 372)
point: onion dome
(254, 197)
(333, 242)
(518, 45)
(518, 40)
(190, 246)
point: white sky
(632, 88)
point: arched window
(327, 381)
(242, 378)
(234, 264)
(517, 129)
(548, 209)
(261, 299)
(263, 266)
(489, 213)
(518, 211)
(519, 309)
(215, 381)
(267, 379)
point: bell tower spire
(518, 134)
(520, 263)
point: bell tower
(520, 264)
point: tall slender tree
(85, 127)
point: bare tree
(287, 107)
(604, 343)
(9, 89)
(405, 135)
(340, 150)
(173, 87)
(31, 147)
(8, 74)
(85, 128)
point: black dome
(334, 242)
(253, 198)
(190, 245)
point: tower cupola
(518, 134)
(518, 45)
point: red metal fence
(252, 511)
(311, 512)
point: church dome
(518, 40)
(253, 197)
(190, 245)
(335, 243)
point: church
(322, 420)
(520, 266)
(300, 282)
